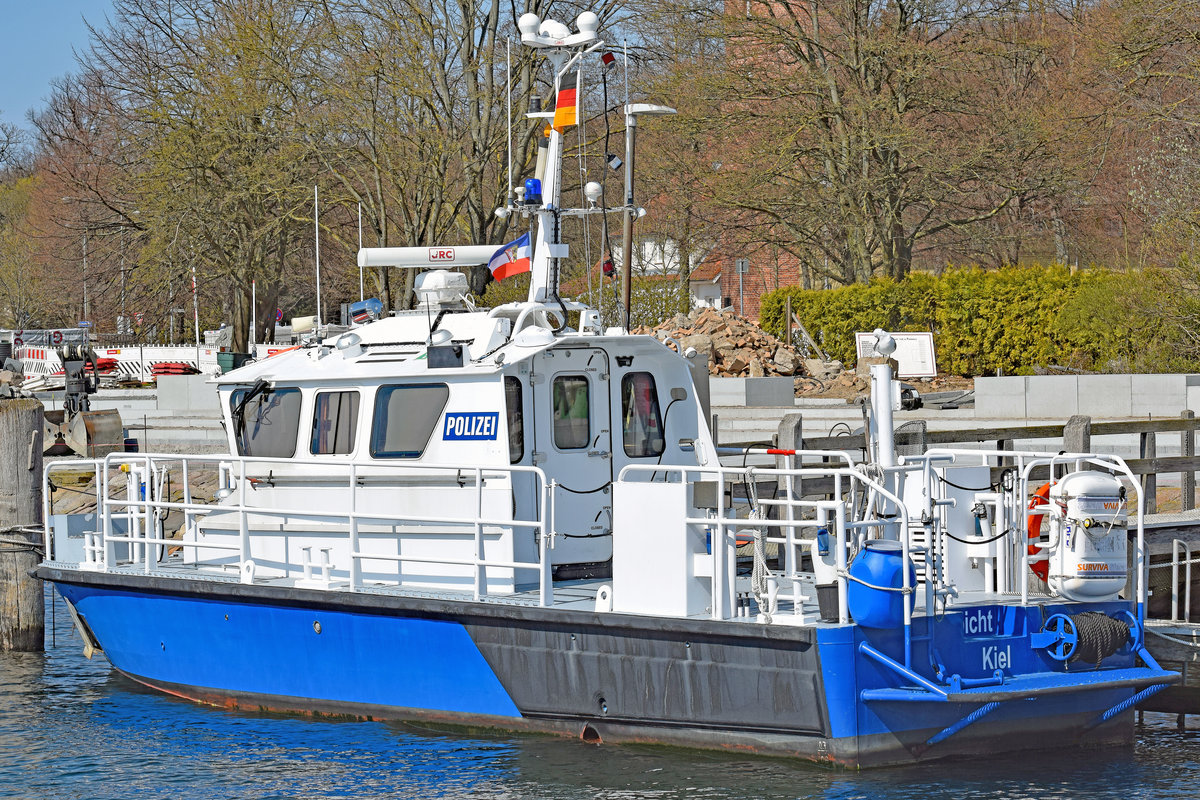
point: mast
(564, 50)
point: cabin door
(573, 444)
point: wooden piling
(1148, 448)
(1187, 480)
(1077, 434)
(790, 436)
(22, 612)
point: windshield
(266, 421)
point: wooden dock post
(1077, 435)
(22, 609)
(789, 437)
(787, 322)
(1187, 449)
(1149, 449)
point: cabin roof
(397, 347)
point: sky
(36, 41)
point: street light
(87, 225)
(632, 112)
(87, 309)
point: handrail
(1117, 465)
(141, 507)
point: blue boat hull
(789, 691)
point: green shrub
(985, 321)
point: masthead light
(528, 24)
(587, 22)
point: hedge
(986, 322)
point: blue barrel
(878, 563)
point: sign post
(742, 265)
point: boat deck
(569, 595)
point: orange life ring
(1033, 529)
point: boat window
(267, 423)
(641, 423)
(405, 418)
(571, 412)
(335, 419)
(516, 419)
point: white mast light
(587, 22)
(528, 25)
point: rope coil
(1099, 636)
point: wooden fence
(1076, 437)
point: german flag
(564, 108)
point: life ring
(1033, 529)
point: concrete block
(1158, 395)
(1051, 397)
(1003, 398)
(1192, 392)
(770, 391)
(752, 391)
(187, 393)
(727, 391)
(1104, 396)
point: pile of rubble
(736, 347)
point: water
(72, 728)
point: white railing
(143, 504)
(796, 514)
(1011, 508)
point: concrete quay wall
(1040, 397)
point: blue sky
(36, 41)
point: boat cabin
(419, 401)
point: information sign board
(914, 353)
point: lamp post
(632, 112)
(87, 226)
(87, 308)
(124, 327)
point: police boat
(517, 518)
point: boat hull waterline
(604, 678)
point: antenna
(195, 308)
(317, 250)
(361, 297)
(508, 82)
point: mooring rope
(1183, 642)
(1099, 636)
(758, 577)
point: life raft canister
(1033, 529)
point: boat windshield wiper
(261, 386)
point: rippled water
(71, 728)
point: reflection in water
(72, 728)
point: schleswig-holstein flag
(511, 259)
